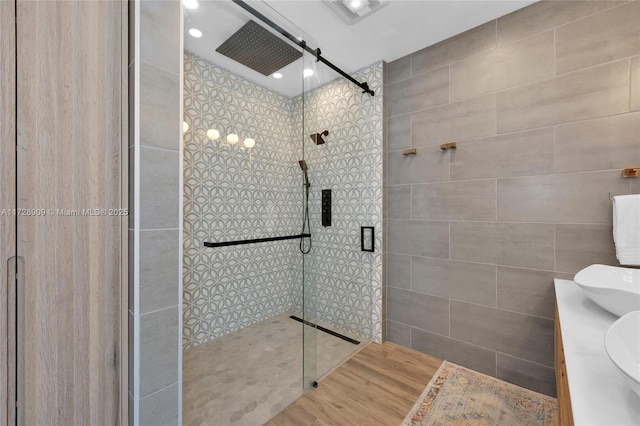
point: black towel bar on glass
(257, 240)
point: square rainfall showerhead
(257, 48)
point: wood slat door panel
(7, 220)
(69, 159)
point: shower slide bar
(318, 54)
(257, 240)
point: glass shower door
(304, 301)
(307, 124)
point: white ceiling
(400, 28)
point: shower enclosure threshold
(326, 330)
(250, 375)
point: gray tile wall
(155, 222)
(541, 103)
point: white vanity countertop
(599, 392)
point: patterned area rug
(457, 396)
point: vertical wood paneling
(69, 157)
(124, 201)
(7, 201)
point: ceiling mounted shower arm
(317, 53)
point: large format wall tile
(523, 62)
(160, 409)
(601, 38)
(467, 119)
(418, 93)
(634, 102)
(528, 245)
(159, 188)
(526, 374)
(398, 132)
(418, 237)
(469, 282)
(399, 333)
(397, 70)
(158, 350)
(544, 15)
(589, 93)
(159, 23)
(514, 154)
(540, 104)
(515, 334)
(159, 262)
(474, 200)
(468, 43)
(419, 310)
(398, 270)
(159, 106)
(526, 291)
(598, 144)
(399, 202)
(564, 198)
(131, 351)
(635, 186)
(578, 246)
(471, 356)
(430, 164)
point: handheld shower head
(303, 166)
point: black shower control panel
(326, 207)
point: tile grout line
(474, 304)
(630, 84)
(159, 390)
(589, 15)
(479, 139)
(496, 287)
(494, 351)
(555, 238)
(555, 54)
(519, 86)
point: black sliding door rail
(257, 240)
(317, 53)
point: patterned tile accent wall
(542, 103)
(345, 283)
(229, 196)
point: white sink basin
(615, 289)
(622, 343)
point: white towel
(626, 228)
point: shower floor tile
(249, 376)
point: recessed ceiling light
(194, 32)
(190, 4)
(277, 75)
(307, 72)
